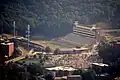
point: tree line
(55, 18)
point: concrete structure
(87, 31)
(83, 30)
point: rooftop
(100, 64)
(63, 68)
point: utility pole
(14, 28)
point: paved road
(24, 52)
(20, 57)
(15, 59)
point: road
(24, 51)
(15, 59)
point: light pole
(28, 35)
(14, 28)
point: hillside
(55, 18)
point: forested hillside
(55, 17)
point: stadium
(81, 35)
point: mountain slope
(55, 18)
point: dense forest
(55, 17)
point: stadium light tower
(28, 35)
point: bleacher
(83, 31)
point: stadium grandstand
(81, 35)
(83, 30)
(86, 31)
